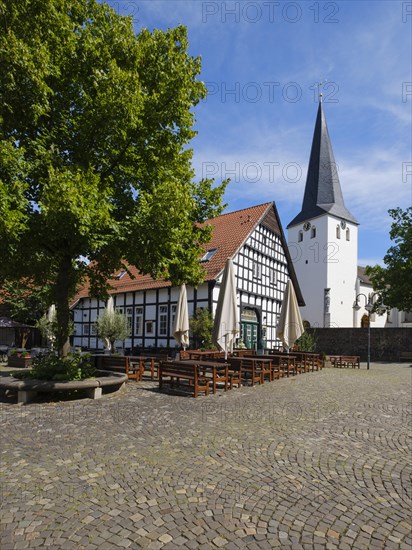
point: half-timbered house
(253, 238)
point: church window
(407, 317)
(313, 232)
(338, 231)
(347, 234)
(365, 321)
(300, 236)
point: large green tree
(393, 283)
(94, 164)
(24, 302)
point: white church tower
(323, 239)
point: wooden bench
(405, 356)
(234, 370)
(284, 363)
(345, 361)
(263, 363)
(178, 371)
(119, 363)
(251, 371)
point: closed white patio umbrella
(51, 313)
(51, 317)
(290, 326)
(181, 326)
(226, 322)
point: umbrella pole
(225, 346)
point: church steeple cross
(319, 85)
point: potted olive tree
(112, 326)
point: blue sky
(261, 61)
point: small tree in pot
(112, 326)
(201, 326)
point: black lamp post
(368, 307)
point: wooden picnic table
(345, 361)
(219, 371)
(314, 359)
(142, 361)
(264, 364)
(286, 362)
(183, 370)
(203, 354)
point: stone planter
(27, 390)
(18, 362)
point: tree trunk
(62, 306)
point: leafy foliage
(393, 282)
(73, 367)
(25, 302)
(94, 127)
(306, 342)
(112, 326)
(201, 326)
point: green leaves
(393, 283)
(112, 326)
(201, 326)
(94, 160)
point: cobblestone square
(320, 460)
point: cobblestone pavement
(321, 460)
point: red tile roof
(230, 231)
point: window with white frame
(129, 317)
(313, 232)
(338, 231)
(272, 277)
(348, 234)
(162, 320)
(257, 270)
(172, 318)
(300, 236)
(138, 321)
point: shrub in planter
(19, 359)
(73, 367)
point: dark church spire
(323, 193)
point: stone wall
(386, 343)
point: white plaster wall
(377, 321)
(308, 259)
(325, 261)
(341, 262)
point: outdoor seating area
(200, 371)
